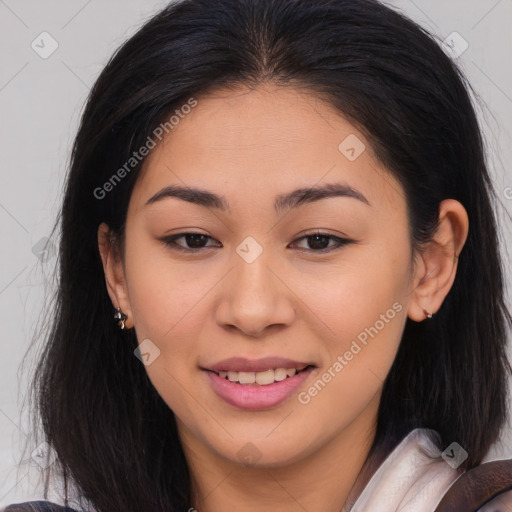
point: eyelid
(169, 241)
(340, 242)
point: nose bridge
(253, 287)
(251, 268)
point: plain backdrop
(40, 103)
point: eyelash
(341, 242)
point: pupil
(197, 240)
(314, 245)
(195, 237)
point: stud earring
(120, 317)
(427, 314)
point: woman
(280, 283)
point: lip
(253, 396)
(241, 364)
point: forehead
(248, 144)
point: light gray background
(40, 103)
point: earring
(427, 314)
(120, 317)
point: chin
(264, 453)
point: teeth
(281, 373)
(246, 377)
(261, 378)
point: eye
(194, 241)
(319, 242)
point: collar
(413, 478)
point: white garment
(414, 478)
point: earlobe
(437, 263)
(114, 272)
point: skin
(199, 308)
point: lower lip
(253, 396)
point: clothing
(413, 478)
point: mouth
(262, 378)
(254, 391)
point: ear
(436, 265)
(114, 272)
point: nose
(254, 297)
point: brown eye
(319, 242)
(193, 241)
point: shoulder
(37, 506)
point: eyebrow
(283, 202)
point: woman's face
(275, 167)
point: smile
(257, 390)
(261, 378)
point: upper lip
(241, 364)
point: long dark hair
(114, 436)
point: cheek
(162, 291)
(167, 308)
(362, 308)
(354, 294)
(363, 339)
